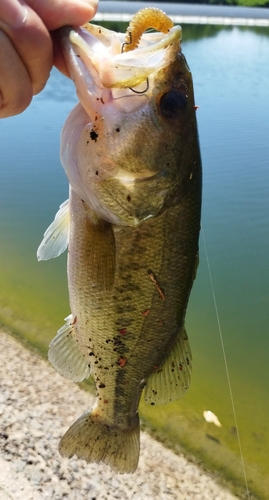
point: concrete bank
(37, 405)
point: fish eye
(172, 104)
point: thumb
(58, 13)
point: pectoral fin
(102, 254)
(172, 379)
(65, 354)
(56, 237)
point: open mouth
(98, 64)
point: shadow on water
(231, 80)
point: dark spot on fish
(118, 342)
(125, 308)
(128, 198)
(117, 129)
(126, 321)
(152, 404)
(123, 331)
(91, 353)
(96, 173)
(127, 298)
(93, 135)
(102, 100)
(105, 401)
(96, 362)
(101, 386)
(128, 287)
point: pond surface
(231, 80)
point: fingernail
(92, 3)
(13, 13)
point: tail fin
(96, 441)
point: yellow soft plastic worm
(150, 17)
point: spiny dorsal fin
(56, 237)
(172, 379)
(65, 354)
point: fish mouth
(101, 71)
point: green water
(231, 77)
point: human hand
(27, 47)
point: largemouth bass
(131, 153)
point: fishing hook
(130, 88)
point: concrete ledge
(186, 13)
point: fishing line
(226, 364)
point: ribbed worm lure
(146, 18)
(150, 17)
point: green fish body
(130, 150)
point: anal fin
(172, 379)
(65, 354)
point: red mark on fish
(153, 279)
(146, 312)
